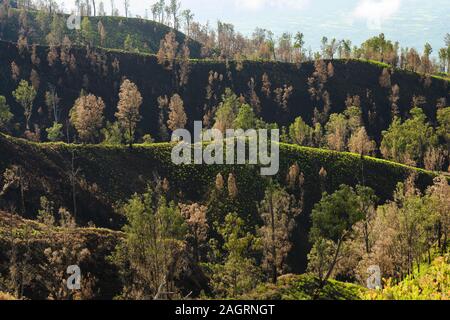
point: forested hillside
(97, 173)
(100, 72)
(127, 34)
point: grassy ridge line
(168, 146)
(111, 174)
(15, 224)
(345, 168)
(356, 156)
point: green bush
(432, 283)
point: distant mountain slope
(101, 71)
(145, 34)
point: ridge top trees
(301, 133)
(130, 101)
(361, 144)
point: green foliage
(238, 273)
(25, 95)
(376, 46)
(443, 118)
(111, 168)
(54, 133)
(112, 134)
(151, 211)
(227, 111)
(300, 133)
(51, 29)
(87, 32)
(153, 236)
(102, 164)
(147, 139)
(334, 216)
(408, 141)
(57, 28)
(46, 213)
(333, 219)
(321, 257)
(5, 113)
(129, 44)
(304, 287)
(246, 118)
(354, 118)
(431, 283)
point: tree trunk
(196, 250)
(131, 137)
(73, 177)
(274, 250)
(366, 237)
(22, 191)
(333, 264)
(439, 235)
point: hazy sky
(411, 22)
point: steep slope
(35, 240)
(89, 248)
(146, 35)
(94, 72)
(111, 174)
